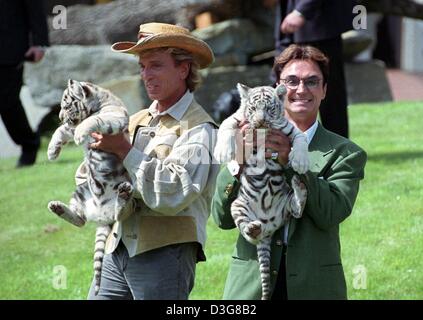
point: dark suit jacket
(22, 24)
(313, 260)
(325, 19)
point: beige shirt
(171, 168)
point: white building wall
(412, 45)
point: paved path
(405, 86)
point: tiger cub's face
(75, 105)
(262, 105)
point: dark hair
(301, 52)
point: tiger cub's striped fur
(87, 108)
(265, 200)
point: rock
(47, 79)
(115, 21)
(367, 82)
(234, 41)
(221, 79)
(222, 10)
(119, 20)
(355, 42)
(218, 10)
(131, 90)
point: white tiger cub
(87, 108)
(265, 200)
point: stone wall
(48, 78)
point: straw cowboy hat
(159, 35)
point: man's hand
(116, 144)
(276, 141)
(292, 22)
(34, 54)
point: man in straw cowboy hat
(153, 253)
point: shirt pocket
(143, 136)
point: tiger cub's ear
(243, 90)
(280, 91)
(79, 89)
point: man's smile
(294, 100)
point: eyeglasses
(292, 82)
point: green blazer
(313, 259)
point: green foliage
(383, 236)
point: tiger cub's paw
(81, 136)
(299, 198)
(223, 152)
(125, 190)
(252, 231)
(299, 161)
(62, 211)
(56, 207)
(225, 148)
(53, 151)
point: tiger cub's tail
(263, 255)
(101, 235)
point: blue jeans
(161, 274)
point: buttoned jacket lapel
(319, 152)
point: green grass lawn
(381, 241)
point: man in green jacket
(306, 253)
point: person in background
(24, 36)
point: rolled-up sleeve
(170, 185)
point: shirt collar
(177, 110)
(311, 131)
